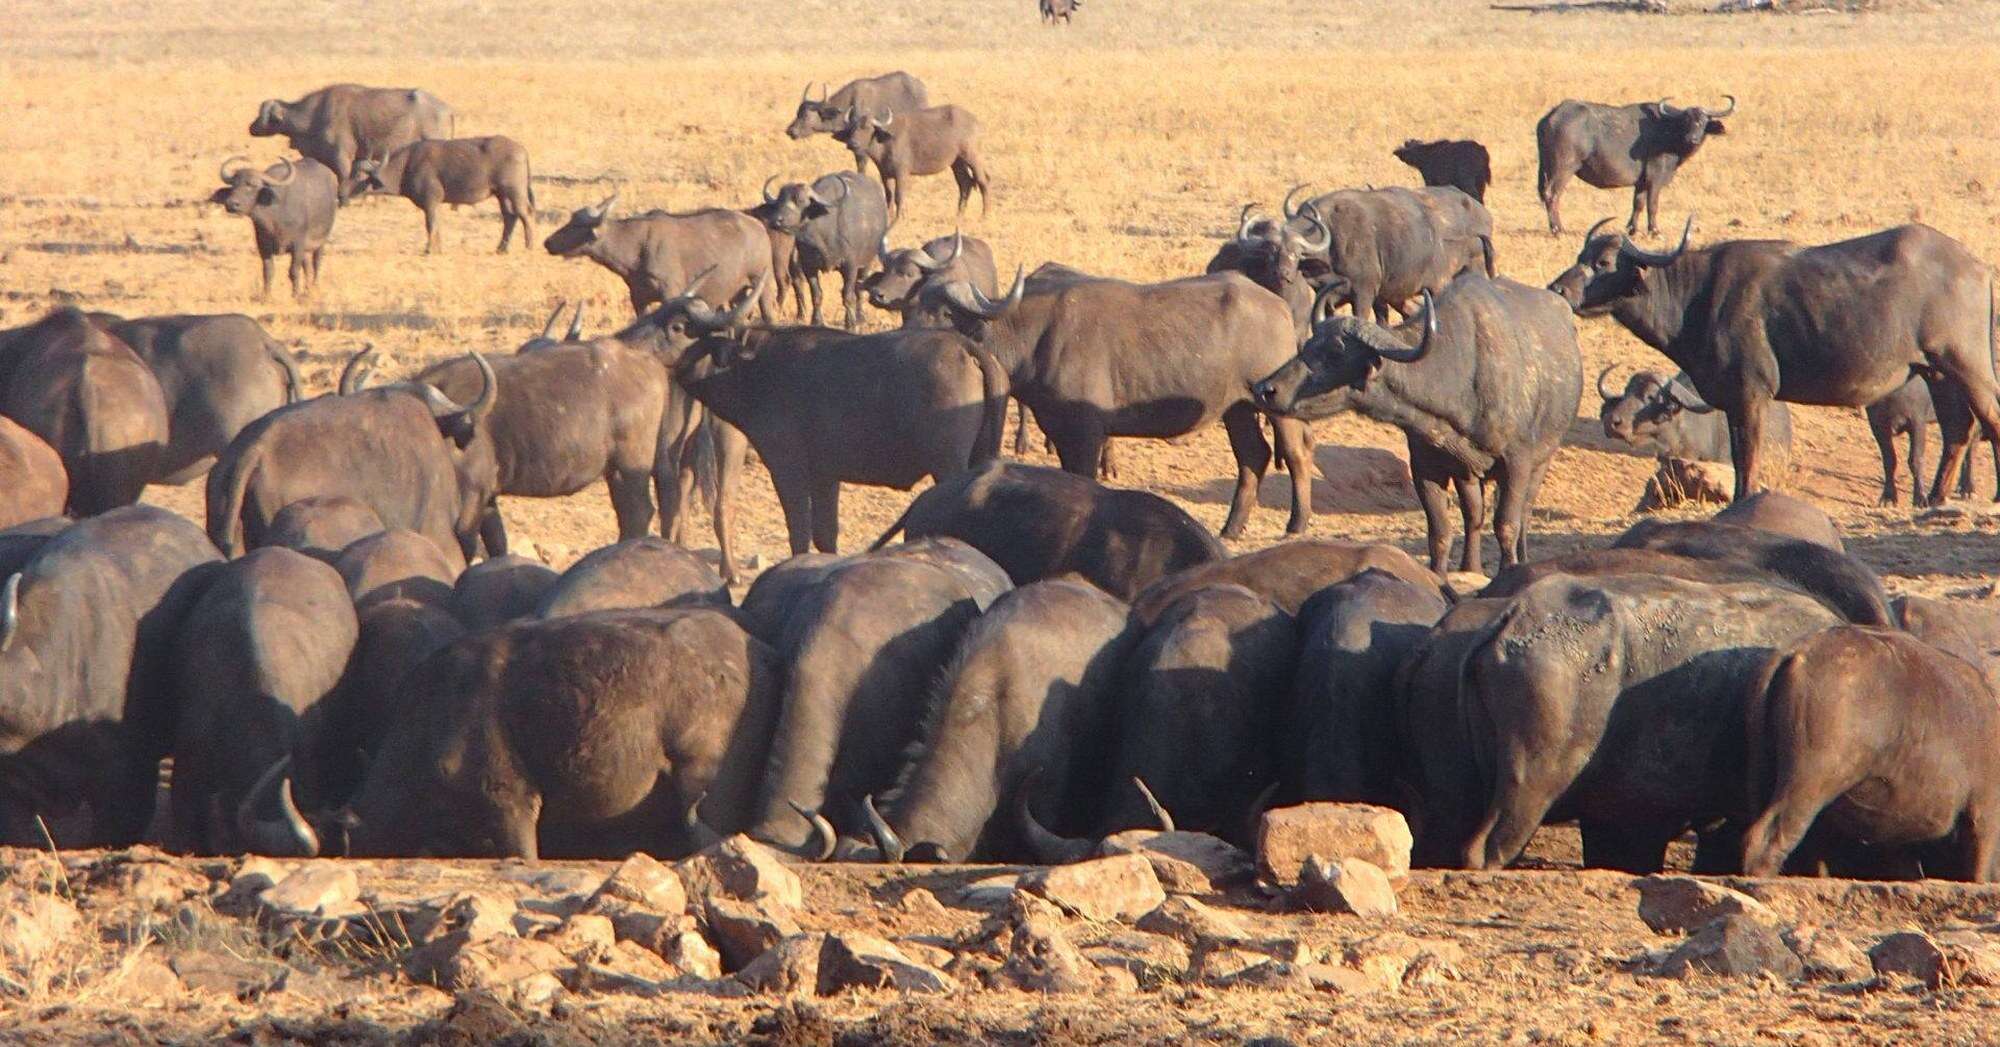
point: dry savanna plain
(1122, 144)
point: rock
(1347, 885)
(1185, 862)
(1270, 974)
(1683, 481)
(218, 971)
(156, 885)
(256, 874)
(641, 881)
(455, 962)
(1286, 836)
(1215, 965)
(1398, 959)
(1190, 921)
(742, 930)
(33, 924)
(1947, 960)
(989, 893)
(691, 954)
(926, 948)
(1350, 981)
(586, 938)
(1151, 959)
(1119, 887)
(1827, 954)
(143, 975)
(864, 961)
(532, 923)
(1671, 904)
(475, 915)
(1734, 945)
(744, 869)
(1041, 959)
(790, 966)
(649, 929)
(317, 889)
(920, 902)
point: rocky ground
(1173, 938)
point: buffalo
(1054, 11)
(1782, 514)
(342, 123)
(397, 565)
(1909, 411)
(909, 275)
(1442, 788)
(1842, 324)
(642, 572)
(498, 590)
(1384, 246)
(660, 255)
(1611, 146)
(1288, 573)
(456, 171)
(1281, 256)
(1487, 393)
(322, 526)
(395, 636)
(917, 142)
(88, 396)
(37, 483)
(835, 224)
(896, 92)
(1461, 164)
(218, 374)
(1844, 583)
(290, 207)
(1666, 418)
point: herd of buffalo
(347, 660)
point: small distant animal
(456, 171)
(1463, 164)
(1059, 10)
(290, 207)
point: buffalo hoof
(1888, 499)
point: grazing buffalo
(218, 374)
(1618, 702)
(914, 143)
(583, 737)
(1910, 411)
(910, 274)
(1782, 514)
(85, 393)
(1441, 789)
(835, 224)
(395, 637)
(1843, 324)
(1029, 696)
(769, 601)
(455, 171)
(37, 483)
(639, 573)
(1288, 573)
(397, 565)
(290, 207)
(1880, 738)
(86, 703)
(1385, 246)
(1844, 583)
(264, 646)
(498, 590)
(896, 92)
(716, 252)
(1040, 523)
(21, 542)
(1666, 418)
(1612, 146)
(1097, 358)
(1460, 164)
(342, 123)
(1487, 393)
(412, 438)
(322, 526)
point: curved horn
(355, 375)
(1047, 847)
(575, 325)
(1601, 376)
(1663, 107)
(969, 298)
(741, 310)
(1287, 208)
(489, 390)
(292, 835)
(699, 831)
(882, 250)
(291, 172)
(603, 208)
(768, 197)
(806, 93)
(886, 840)
(1244, 222)
(1595, 226)
(1409, 356)
(1324, 302)
(823, 835)
(10, 610)
(1656, 259)
(825, 91)
(923, 258)
(549, 328)
(1311, 214)
(1671, 391)
(1731, 109)
(227, 172)
(1153, 804)
(823, 201)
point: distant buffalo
(918, 142)
(459, 171)
(1612, 146)
(342, 123)
(897, 92)
(715, 252)
(290, 207)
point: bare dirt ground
(1123, 144)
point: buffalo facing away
(660, 255)
(915, 143)
(1462, 164)
(290, 207)
(1664, 417)
(342, 123)
(85, 393)
(455, 171)
(218, 374)
(896, 92)
(1612, 146)
(1841, 324)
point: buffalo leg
(1429, 478)
(631, 503)
(826, 513)
(493, 531)
(432, 243)
(1652, 208)
(1253, 458)
(1638, 201)
(298, 274)
(1079, 444)
(1885, 442)
(270, 273)
(673, 462)
(1295, 447)
(1020, 428)
(812, 281)
(1955, 424)
(1553, 181)
(1746, 431)
(1472, 513)
(850, 297)
(730, 446)
(312, 277)
(1107, 463)
(794, 488)
(1516, 490)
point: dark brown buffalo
(264, 646)
(341, 123)
(1385, 246)
(290, 207)
(398, 449)
(769, 601)
(1441, 787)
(322, 526)
(1461, 164)
(915, 143)
(1665, 417)
(455, 171)
(908, 274)
(395, 637)
(1288, 573)
(397, 564)
(1879, 738)
(1909, 411)
(37, 484)
(1097, 358)
(218, 374)
(1487, 393)
(1040, 523)
(498, 590)
(1782, 514)
(1611, 146)
(1844, 583)
(86, 702)
(1596, 563)
(715, 252)
(86, 394)
(642, 572)
(836, 224)
(1283, 257)
(897, 92)
(1844, 324)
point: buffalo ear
(221, 196)
(1715, 127)
(459, 428)
(815, 209)
(267, 196)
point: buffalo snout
(1569, 286)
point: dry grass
(1123, 144)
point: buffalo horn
(1664, 108)
(1671, 392)
(1595, 226)
(603, 209)
(806, 94)
(1311, 215)
(227, 172)
(1286, 207)
(824, 838)
(825, 91)
(1656, 259)
(881, 122)
(10, 610)
(489, 390)
(1394, 353)
(923, 258)
(987, 309)
(549, 328)
(292, 835)
(768, 197)
(355, 375)
(1324, 302)
(294, 384)
(1601, 376)
(882, 250)
(1244, 222)
(823, 201)
(1047, 847)
(291, 172)
(1160, 815)
(1731, 109)
(575, 325)
(886, 839)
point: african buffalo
(1782, 514)
(835, 223)
(1487, 393)
(769, 601)
(454, 171)
(917, 142)
(290, 207)
(264, 646)
(1287, 573)
(88, 396)
(1611, 146)
(1460, 164)
(897, 92)
(1385, 246)
(218, 374)
(1441, 789)
(1097, 358)
(1880, 738)
(1969, 629)
(1278, 255)
(1843, 324)
(1059, 10)
(397, 565)
(1618, 701)
(86, 702)
(342, 123)
(37, 483)
(498, 590)
(715, 252)
(395, 637)
(1910, 411)
(1844, 583)
(909, 274)
(1666, 418)
(322, 526)
(1040, 523)
(639, 573)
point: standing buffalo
(457, 171)
(1909, 411)
(1280, 256)
(37, 483)
(1059, 10)
(896, 92)
(342, 123)
(660, 255)
(918, 142)
(1096, 358)
(218, 374)
(1384, 246)
(498, 590)
(87, 395)
(835, 224)
(322, 526)
(290, 207)
(1611, 146)
(910, 274)
(1461, 164)
(1844, 324)
(1664, 417)
(1486, 394)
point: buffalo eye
(676, 327)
